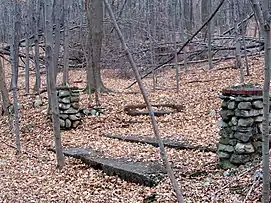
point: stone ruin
(69, 108)
(241, 125)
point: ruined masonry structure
(68, 98)
(241, 126)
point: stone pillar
(68, 98)
(240, 126)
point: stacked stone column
(241, 129)
(69, 115)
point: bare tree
(36, 41)
(66, 42)
(94, 14)
(27, 44)
(263, 16)
(14, 34)
(239, 64)
(4, 91)
(210, 30)
(51, 86)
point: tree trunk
(4, 91)
(58, 14)
(209, 30)
(27, 59)
(14, 37)
(94, 10)
(37, 51)
(239, 64)
(51, 86)
(66, 42)
(266, 98)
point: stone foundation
(68, 98)
(241, 126)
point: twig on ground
(24, 152)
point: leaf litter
(32, 177)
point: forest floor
(33, 177)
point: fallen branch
(234, 179)
(167, 143)
(251, 189)
(131, 109)
(184, 45)
(23, 152)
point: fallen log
(131, 109)
(143, 173)
(167, 142)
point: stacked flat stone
(68, 99)
(241, 129)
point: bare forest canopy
(154, 30)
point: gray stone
(38, 102)
(258, 137)
(93, 112)
(258, 147)
(257, 104)
(73, 118)
(260, 128)
(71, 111)
(64, 106)
(75, 93)
(225, 132)
(224, 104)
(75, 124)
(226, 164)
(251, 98)
(220, 123)
(75, 99)
(68, 123)
(63, 116)
(239, 158)
(242, 148)
(244, 105)
(75, 105)
(258, 119)
(232, 142)
(243, 137)
(225, 148)
(250, 113)
(234, 121)
(65, 100)
(241, 113)
(255, 112)
(231, 105)
(223, 155)
(245, 122)
(86, 112)
(63, 93)
(241, 129)
(224, 140)
(62, 123)
(224, 97)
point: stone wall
(241, 129)
(69, 115)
